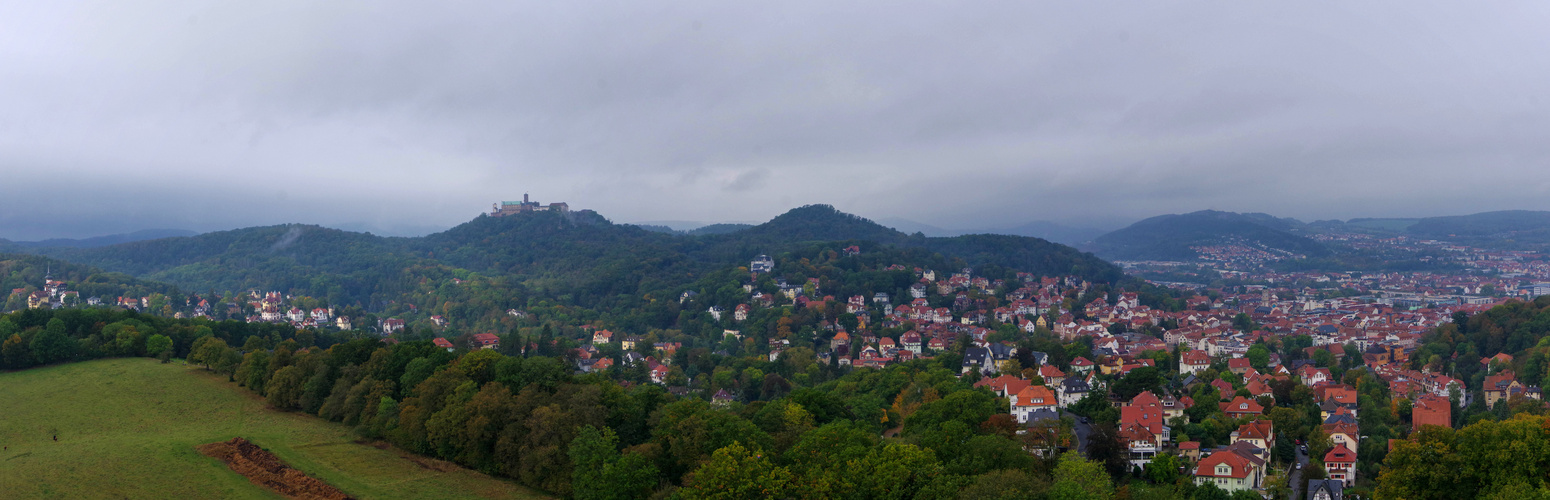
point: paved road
(1081, 430)
(1295, 479)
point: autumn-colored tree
(15, 353)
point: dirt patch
(422, 462)
(381, 445)
(267, 470)
(429, 463)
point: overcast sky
(407, 116)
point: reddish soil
(267, 470)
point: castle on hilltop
(505, 208)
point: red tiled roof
(1048, 371)
(1340, 454)
(1240, 466)
(1032, 393)
(1258, 429)
(1242, 405)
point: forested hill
(1505, 227)
(578, 253)
(1170, 237)
(824, 223)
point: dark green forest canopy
(1170, 237)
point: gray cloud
(399, 116)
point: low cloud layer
(404, 116)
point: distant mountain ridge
(1504, 224)
(1170, 237)
(1523, 229)
(100, 241)
(1046, 230)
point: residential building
(1230, 471)
(1194, 361)
(1343, 432)
(1259, 433)
(1340, 463)
(1326, 489)
(1431, 409)
(1079, 365)
(761, 264)
(1051, 375)
(1032, 398)
(1501, 386)
(1241, 407)
(979, 357)
(485, 341)
(1073, 389)
(911, 341)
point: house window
(1243, 406)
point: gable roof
(1049, 371)
(1239, 464)
(1340, 454)
(1258, 429)
(1035, 396)
(1241, 404)
(1335, 487)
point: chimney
(524, 197)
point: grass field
(127, 428)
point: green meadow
(127, 428)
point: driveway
(1081, 430)
(1295, 478)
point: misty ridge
(1105, 118)
(1520, 225)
